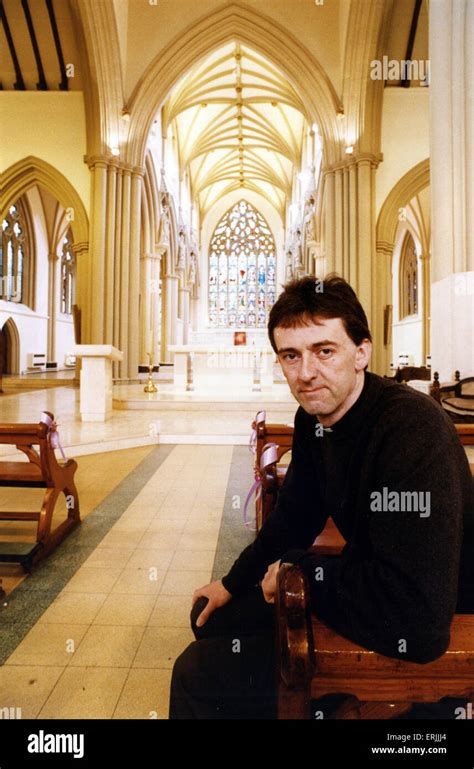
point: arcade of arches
(165, 168)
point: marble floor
(148, 420)
(110, 608)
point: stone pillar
(146, 278)
(363, 282)
(117, 266)
(350, 224)
(451, 30)
(110, 234)
(96, 297)
(134, 275)
(426, 306)
(330, 221)
(339, 200)
(184, 309)
(52, 300)
(124, 270)
(169, 315)
(382, 353)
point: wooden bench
(272, 476)
(330, 541)
(42, 471)
(313, 661)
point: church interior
(165, 167)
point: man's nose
(309, 367)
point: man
(386, 463)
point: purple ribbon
(261, 416)
(269, 457)
(53, 433)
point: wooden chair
(313, 661)
(42, 471)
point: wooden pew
(313, 661)
(330, 541)
(42, 471)
(272, 476)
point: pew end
(313, 660)
(41, 471)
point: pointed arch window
(242, 269)
(14, 255)
(408, 278)
(67, 275)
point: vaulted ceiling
(239, 124)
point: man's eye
(326, 352)
(289, 356)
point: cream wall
(49, 125)
(405, 136)
(152, 26)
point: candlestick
(150, 387)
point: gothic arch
(13, 349)
(234, 22)
(24, 174)
(411, 184)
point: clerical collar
(351, 420)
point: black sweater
(394, 589)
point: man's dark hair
(305, 298)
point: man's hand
(218, 596)
(269, 582)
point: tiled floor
(96, 476)
(105, 646)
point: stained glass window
(12, 255)
(408, 278)
(242, 269)
(67, 275)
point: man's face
(322, 365)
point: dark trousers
(229, 671)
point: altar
(204, 367)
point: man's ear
(363, 353)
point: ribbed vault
(239, 123)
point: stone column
(110, 233)
(117, 266)
(132, 308)
(382, 353)
(96, 297)
(146, 278)
(329, 221)
(451, 30)
(363, 282)
(52, 301)
(169, 315)
(124, 271)
(426, 307)
(184, 310)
